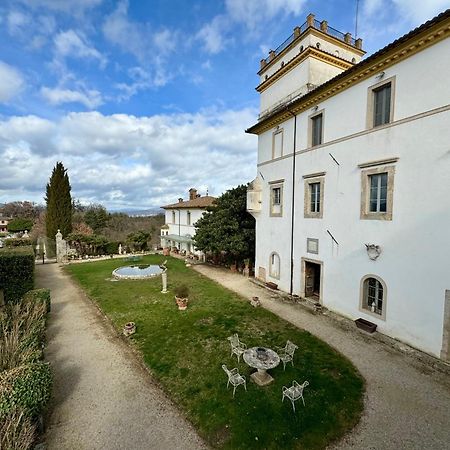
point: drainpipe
(179, 228)
(291, 287)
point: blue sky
(143, 99)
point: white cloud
(255, 13)
(16, 21)
(383, 21)
(127, 161)
(151, 48)
(419, 11)
(213, 35)
(164, 41)
(130, 36)
(57, 96)
(73, 45)
(11, 82)
(76, 8)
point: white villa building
(352, 195)
(179, 228)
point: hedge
(26, 387)
(17, 242)
(16, 272)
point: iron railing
(330, 30)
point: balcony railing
(287, 42)
(299, 30)
(286, 100)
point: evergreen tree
(59, 203)
(227, 228)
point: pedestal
(261, 377)
(164, 282)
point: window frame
(311, 118)
(277, 131)
(371, 91)
(271, 273)
(309, 181)
(366, 214)
(188, 218)
(363, 297)
(276, 185)
(174, 217)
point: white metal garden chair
(294, 392)
(286, 353)
(237, 347)
(234, 378)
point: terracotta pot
(182, 303)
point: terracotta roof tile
(199, 202)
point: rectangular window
(382, 105)
(314, 189)
(276, 200)
(316, 130)
(276, 192)
(173, 216)
(313, 197)
(188, 217)
(378, 192)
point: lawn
(185, 350)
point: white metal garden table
(262, 359)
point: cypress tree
(59, 203)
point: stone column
(164, 282)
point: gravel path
(102, 397)
(407, 404)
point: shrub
(16, 431)
(22, 333)
(182, 291)
(16, 272)
(38, 296)
(26, 387)
(112, 248)
(17, 242)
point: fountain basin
(137, 272)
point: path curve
(102, 397)
(407, 402)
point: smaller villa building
(4, 223)
(179, 228)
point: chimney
(180, 200)
(192, 193)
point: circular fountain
(137, 272)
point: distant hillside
(140, 212)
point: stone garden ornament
(373, 251)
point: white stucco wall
(310, 70)
(416, 243)
(180, 227)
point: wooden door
(309, 279)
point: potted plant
(181, 296)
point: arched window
(318, 44)
(274, 265)
(373, 296)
